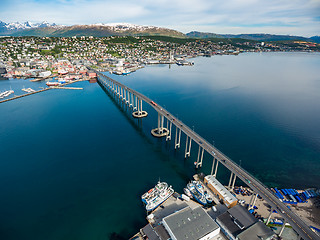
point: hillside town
(39, 57)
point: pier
(134, 100)
(42, 90)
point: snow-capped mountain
(45, 29)
(7, 27)
(124, 26)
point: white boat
(53, 83)
(187, 192)
(6, 93)
(157, 195)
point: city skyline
(246, 16)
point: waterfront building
(257, 231)
(191, 224)
(235, 221)
(220, 191)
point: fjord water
(74, 163)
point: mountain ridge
(45, 29)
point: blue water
(74, 162)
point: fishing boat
(157, 195)
(196, 194)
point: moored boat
(196, 195)
(53, 84)
(157, 195)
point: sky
(289, 17)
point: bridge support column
(216, 170)
(231, 176)
(168, 137)
(132, 100)
(234, 181)
(160, 131)
(177, 139)
(252, 201)
(200, 157)
(128, 98)
(139, 113)
(282, 228)
(269, 217)
(188, 148)
(213, 162)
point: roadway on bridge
(301, 227)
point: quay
(72, 88)
(167, 121)
(42, 90)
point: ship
(200, 188)
(6, 93)
(199, 197)
(53, 84)
(157, 195)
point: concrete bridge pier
(213, 162)
(132, 100)
(168, 137)
(282, 228)
(124, 95)
(252, 201)
(188, 147)
(177, 139)
(269, 217)
(230, 180)
(128, 98)
(139, 113)
(160, 131)
(200, 157)
(136, 102)
(234, 181)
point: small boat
(187, 192)
(53, 84)
(208, 197)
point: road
(298, 225)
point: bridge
(167, 121)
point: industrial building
(191, 224)
(220, 191)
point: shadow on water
(123, 108)
(164, 152)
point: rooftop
(190, 223)
(257, 231)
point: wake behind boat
(157, 195)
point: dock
(72, 88)
(42, 90)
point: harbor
(248, 215)
(32, 91)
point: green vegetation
(126, 40)
(170, 39)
